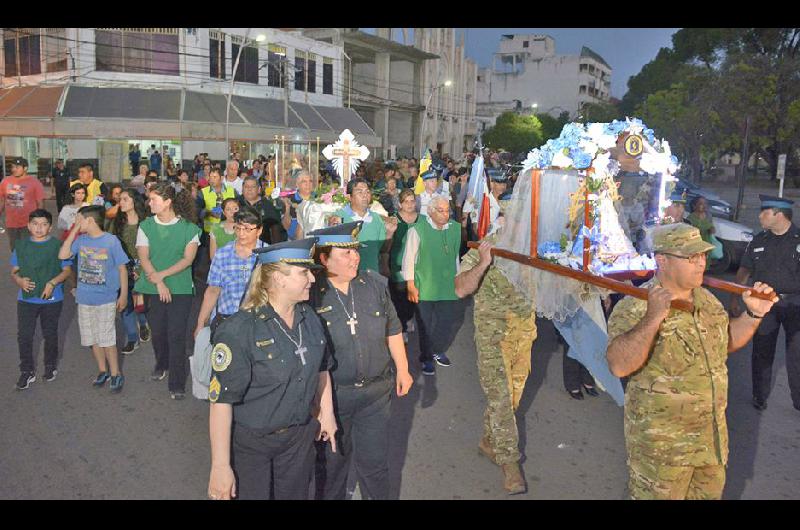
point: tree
(514, 133)
(551, 127)
(600, 112)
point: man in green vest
(430, 265)
(375, 235)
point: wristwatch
(753, 315)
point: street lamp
(425, 113)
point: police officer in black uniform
(364, 337)
(773, 257)
(499, 184)
(270, 383)
(60, 184)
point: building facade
(92, 93)
(527, 75)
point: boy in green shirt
(38, 272)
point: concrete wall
(194, 66)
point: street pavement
(67, 440)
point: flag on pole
(484, 217)
(476, 190)
(424, 163)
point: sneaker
(129, 347)
(441, 359)
(144, 334)
(177, 396)
(101, 379)
(25, 380)
(759, 404)
(428, 368)
(116, 383)
(158, 375)
(50, 374)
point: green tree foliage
(702, 90)
(600, 112)
(514, 133)
(551, 127)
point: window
(55, 50)
(582, 89)
(299, 70)
(216, 54)
(327, 75)
(311, 72)
(525, 44)
(276, 65)
(138, 50)
(479, 79)
(22, 53)
(247, 71)
(584, 67)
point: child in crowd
(102, 289)
(39, 273)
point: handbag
(200, 364)
(717, 252)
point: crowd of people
(307, 332)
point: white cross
(352, 323)
(301, 352)
(346, 154)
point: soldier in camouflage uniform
(675, 400)
(505, 328)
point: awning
(29, 102)
(130, 103)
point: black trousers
(283, 460)
(362, 416)
(61, 196)
(764, 342)
(168, 324)
(405, 309)
(438, 324)
(575, 374)
(48, 315)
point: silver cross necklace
(352, 318)
(301, 350)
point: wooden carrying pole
(600, 281)
(713, 283)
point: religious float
(575, 229)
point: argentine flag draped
(424, 164)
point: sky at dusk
(625, 49)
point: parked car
(734, 238)
(718, 206)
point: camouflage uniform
(505, 328)
(675, 428)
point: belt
(366, 381)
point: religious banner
(346, 155)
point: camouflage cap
(680, 239)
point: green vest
(435, 270)
(372, 236)
(39, 262)
(398, 248)
(221, 236)
(210, 202)
(166, 245)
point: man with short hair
(675, 429)
(773, 256)
(94, 187)
(60, 184)
(20, 194)
(232, 178)
(155, 160)
(431, 262)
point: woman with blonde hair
(270, 360)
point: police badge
(221, 357)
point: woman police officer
(364, 336)
(270, 382)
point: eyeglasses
(246, 229)
(694, 259)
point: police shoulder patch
(213, 389)
(221, 357)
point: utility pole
(286, 90)
(742, 169)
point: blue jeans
(132, 320)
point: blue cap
(341, 236)
(430, 174)
(677, 196)
(438, 165)
(300, 253)
(768, 201)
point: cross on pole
(346, 155)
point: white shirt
(235, 184)
(411, 251)
(143, 241)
